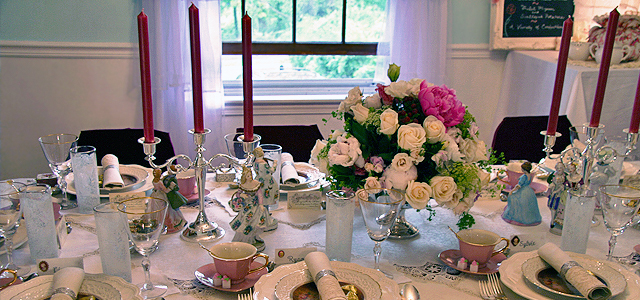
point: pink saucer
(536, 186)
(194, 196)
(451, 257)
(205, 274)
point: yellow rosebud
(393, 72)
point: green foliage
(337, 66)
(465, 221)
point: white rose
(335, 134)
(453, 152)
(362, 194)
(354, 97)
(473, 150)
(416, 154)
(440, 157)
(345, 152)
(318, 162)
(399, 89)
(415, 86)
(418, 194)
(369, 167)
(444, 188)
(455, 134)
(484, 176)
(402, 162)
(465, 204)
(398, 179)
(360, 113)
(435, 129)
(411, 136)
(389, 122)
(372, 185)
(373, 101)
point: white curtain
(171, 71)
(415, 39)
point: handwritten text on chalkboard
(542, 18)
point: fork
(491, 289)
(246, 296)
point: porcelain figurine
(557, 193)
(251, 218)
(166, 188)
(269, 193)
(574, 179)
(522, 204)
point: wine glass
(56, 149)
(145, 218)
(10, 220)
(379, 210)
(619, 205)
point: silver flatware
(409, 292)
(246, 296)
(491, 289)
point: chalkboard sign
(524, 24)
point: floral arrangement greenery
(413, 136)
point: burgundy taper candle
(635, 113)
(145, 76)
(612, 25)
(196, 68)
(567, 31)
(247, 83)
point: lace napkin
(324, 277)
(66, 283)
(288, 170)
(111, 172)
(573, 273)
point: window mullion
(344, 21)
(293, 21)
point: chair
(123, 143)
(295, 139)
(520, 138)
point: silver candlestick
(549, 142)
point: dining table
(413, 260)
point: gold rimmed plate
(134, 177)
(299, 285)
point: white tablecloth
(529, 78)
(176, 260)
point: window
(309, 47)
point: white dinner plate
(532, 268)
(135, 177)
(309, 177)
(364, 283)
(511, 276)
(264, 288)
(102, 286)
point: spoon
(10, 182)
(205, 248)
(409, 292)
(454, 232)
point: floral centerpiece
(413, 136)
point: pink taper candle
(567, 31)
(635, 113)
(196, 68)
(612, 25)
(247, 82)
(145, 77)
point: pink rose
(442, 103)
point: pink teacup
(234, 260)
(186, 182)
(479, 245)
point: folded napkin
(111, 172)
(288, 170)
(587, 284)
(326, 281)
(66, 283)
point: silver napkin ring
(566, 266)
(324, 273)
(65, 290)
(110, 167)
(287, 163)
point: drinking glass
(56, 150)
(145, 220)
(379, 210)
(10, 216)
(619, 205)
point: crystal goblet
(619, 204)
(56, 150)
(10, 215)
(145, 218)
(380, 208)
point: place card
(304, 200)
(48, 266)
(119, 197)
(291, 255)
(225, 175)
(526, 242)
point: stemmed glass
(145, 218)
(56, 149)
(379, 210)
(10, 220)
(619, 205)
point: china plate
(134, 177)
(533, 269)
(451, 257)
(264, 288)
(102, 286)
(205, 275)
(511, 276)
(364, 283)
(308, 175)
(19, 238)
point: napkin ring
(65, 290)
(107, 167)
(566, 266)
(287, 163)
(323, 273)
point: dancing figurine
(557, 193)
(250, 221)
(269, 193)
(522, 203)
(574, 179)
(166, 188)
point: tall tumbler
(340, 211)
(85, 177)
(113, 241)
(273, 152)
(577, 220)
(37, 207)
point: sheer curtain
(415, 39)
(171, 71)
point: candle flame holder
(549, 142)
(202, 229)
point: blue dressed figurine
(251, 218)
(522, 203)
(557, 194)
(269, 192)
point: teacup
(186, 182)
(5, 282)
(234, 260)
(514, 171)
(479, 245)
(579, 50)
(619, 52)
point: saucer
(451, 257)
(536, 186)
(205, 274)
(194, 196)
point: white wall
(56, 87)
